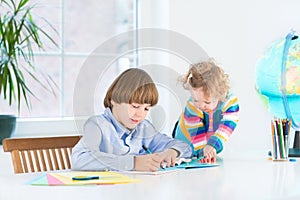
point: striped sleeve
(227, 125)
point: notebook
(87, 178)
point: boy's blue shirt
(108, 145)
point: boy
(121, 138)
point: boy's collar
(120, 129)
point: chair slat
(42, 160)
(55, 159)
(67, 158)
(24, 161)
(61, 159)
(49, 159)
(36, 160)
(30, 161)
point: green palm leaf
(18, 35)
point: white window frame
(57, 126)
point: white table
(236, 178)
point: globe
(277, 78)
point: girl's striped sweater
(199, 128)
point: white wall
(235, 33)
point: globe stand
(295, 151)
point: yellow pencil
(273, 140)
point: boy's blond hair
(208, 76)
(132, 86)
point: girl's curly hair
(208, 76)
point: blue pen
(84, 178)
(146, 149)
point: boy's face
(130, 115)
(202, 102)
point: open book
(180, 164)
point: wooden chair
(40, 154)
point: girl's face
(130, 115)
(202, 102)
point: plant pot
(7, 126)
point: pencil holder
(280, 139)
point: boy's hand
(148, 162)
(169, 157)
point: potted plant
(19, 35)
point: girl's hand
(169, 157)
(210, 154)
(148, 162)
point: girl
(211, 113)
(121, 138)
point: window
(82, 27)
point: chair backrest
(40, 154)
